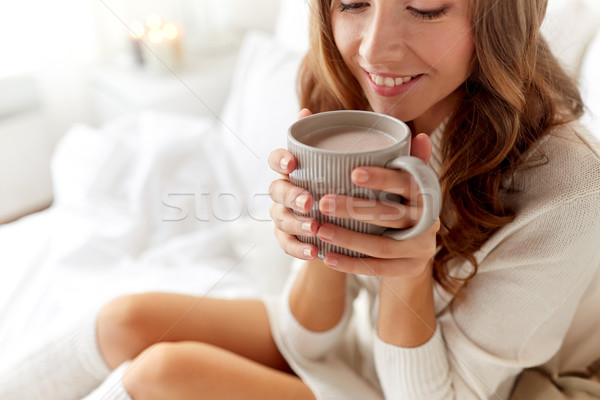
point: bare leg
(186, 347)
(130, 324)
(192, 370)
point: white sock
(112, 388)
(67, 367)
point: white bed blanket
(155, 202)
(149, 202)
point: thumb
(421, 147)
(305, 112)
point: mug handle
(430, 192)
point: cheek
(459, 53)
(466, 53)
(451, 59)
(343, 40)
(347, 37)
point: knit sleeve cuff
(414, 373)
(307, 343)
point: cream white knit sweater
(536, 276)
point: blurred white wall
(50, 51)
(57, 42)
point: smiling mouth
(388, 81)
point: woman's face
(409, 56)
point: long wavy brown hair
(516, 94)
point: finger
(305, 112)
(282, 161)
(295, 248)
(405, 267)
(298, 199)
(389, 180)
(420, 246)
(421, 147)
(388, 214)
(291, 223)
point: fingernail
(301, 201)
(326, 233)
(327, 205)
(308, 227)
(308, 252)
(285, 161)
(360, 176)
(331, 261)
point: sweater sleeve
(513, 314)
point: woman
(456, 312)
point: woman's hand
(386, 257)
(287, 196)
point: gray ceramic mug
(329, 145)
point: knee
(156, 371)
(121, 329)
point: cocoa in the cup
(349, 139)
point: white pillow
(589, 84)
(569, 27)
(261, 105)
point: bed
(165, 202)
(156, 202)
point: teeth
(389, 81)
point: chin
(403, 114)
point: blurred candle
(164, 45)
(153, 21)
(172, 35)
(136, 31)
(156, 35)
(170, 31)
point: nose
(382, 38)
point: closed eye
(426, 14)
(352, 6)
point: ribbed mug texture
(324, 172)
